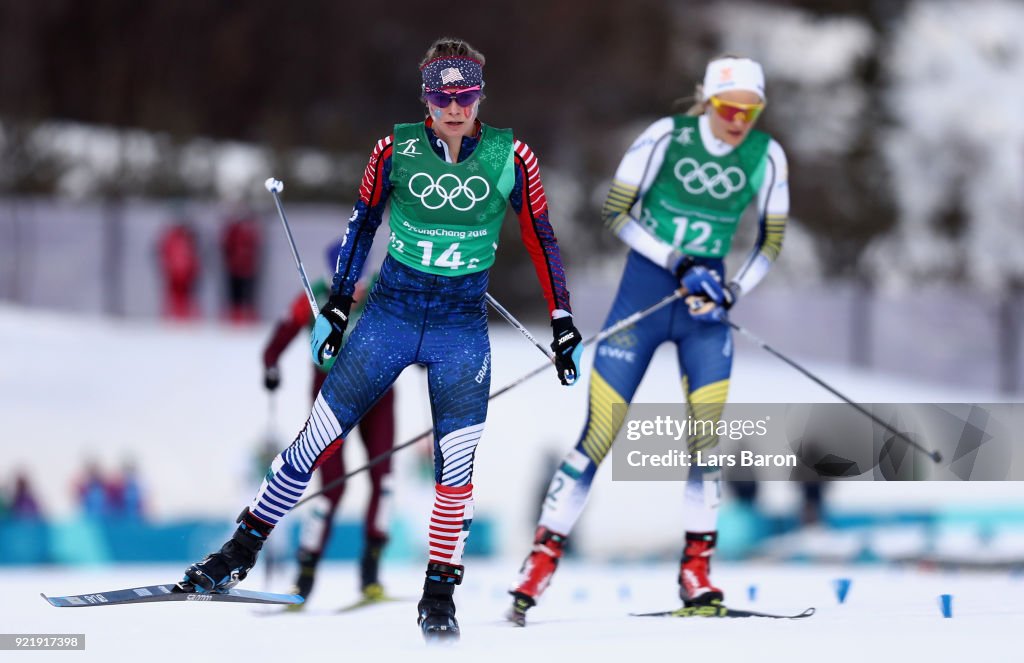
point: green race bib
(445, 218)
(696, 200)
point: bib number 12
(697, 243)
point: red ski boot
(695, 586)
(535, 574)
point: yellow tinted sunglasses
(732, 110)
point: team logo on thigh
(710, 177)
(623, 339)
(449, 189)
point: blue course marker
(752, 593)
(842, 588)
(946, 605)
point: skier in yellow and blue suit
(676, 201)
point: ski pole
(275, 187)
(271, 415)
(518, 325)
(628, 321)
(632, 319)
(934, 455)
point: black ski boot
(308, 561)
(225, 568)
(520, 604)
(437, 607)
(369, 569)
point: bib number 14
(450, 257)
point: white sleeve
(633, 178)
(773, 212)
(644, 157)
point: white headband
(733, 74)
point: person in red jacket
(178, 254)
(241, 250)
(377, 430)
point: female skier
(676, 201)
(449, 179)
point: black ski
(718, 610)
(155, 593)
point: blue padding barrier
(103, 541)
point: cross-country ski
(163, 593)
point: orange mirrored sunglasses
(732, 110)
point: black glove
(329, 328)
(271, 378)
(567, 349)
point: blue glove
(329, 328)
(709, 299)
(700, 280)
(567, 349)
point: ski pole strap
(684, 264)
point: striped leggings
(410, 318)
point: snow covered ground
(889, 615)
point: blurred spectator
(811, 510)
(125, 493)
(241, 248)
(811, 504)
(93, 495)
(5, 506)
(24, 504)
(179, 266)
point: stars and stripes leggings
(410, 318)
(377, 432)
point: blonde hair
(698, 104)
(450, 47)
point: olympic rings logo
(449, 189)
(710, 177)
